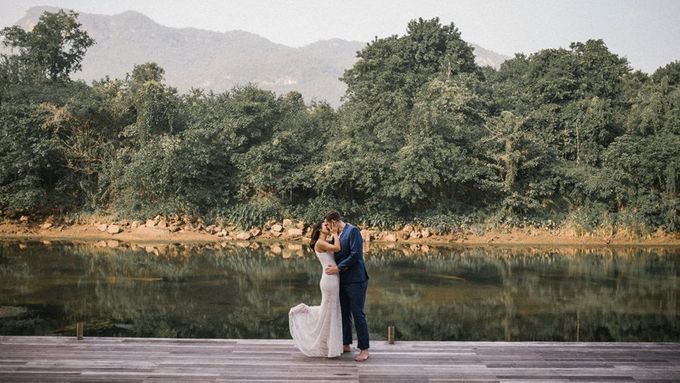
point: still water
(435, 293)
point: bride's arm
(326, 246)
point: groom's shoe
(363, 356)
(346, 348)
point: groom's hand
(332, 269)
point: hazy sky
(647, 32)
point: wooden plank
(34, 358)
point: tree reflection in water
(435, 293)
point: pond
(428, 293)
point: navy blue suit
(353, 285)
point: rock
(287, 222)
(150, 223)
(408, 229)
(277, 228)
(403, 235)
(276, 234)
(210, 229)
(112, 243)
(173, 228)
(243, 236)
(366, 235)
(113, 229)
(295, 232)
(23, 219)
(135, 224)
(101, 243)
(46, 225)
(102, 227)
(414, 235)
(300, 225)
(294, 247)
(276, 249)
(255, 232)
(425, 233)
(188, 227)
(391, 237)
(162, 224)
(222, 233)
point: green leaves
(55, 46)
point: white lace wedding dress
(317, 330)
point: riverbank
(161, 229)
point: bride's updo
(316, 233)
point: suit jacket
(350, 258)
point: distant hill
(217, 61)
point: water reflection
(244, 290)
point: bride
(317, 330)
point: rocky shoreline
(187, 229)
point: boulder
(102, 227)
(23, 219)
(366, 235)
(162, 224)
(243, 236)
(47, 225)
(287, 222)
(276, 249)
(135, 224)
(112, 243)
(113, 229)
(210, 229)
(174, 228)
(300, 225)
(277, 228)
(294, 232)
(150, 223)
(408, 229)
(391, 237)
(255, 232)
(414, 235)
(425, 233)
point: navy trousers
(352, 299)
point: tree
(54, 48)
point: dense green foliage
(425, 135)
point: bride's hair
(316, 233)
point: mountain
(217, 61)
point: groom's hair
(333, 216)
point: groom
(353, 283)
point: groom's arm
(355, 248)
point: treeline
(562, 136)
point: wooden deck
(48, 359)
